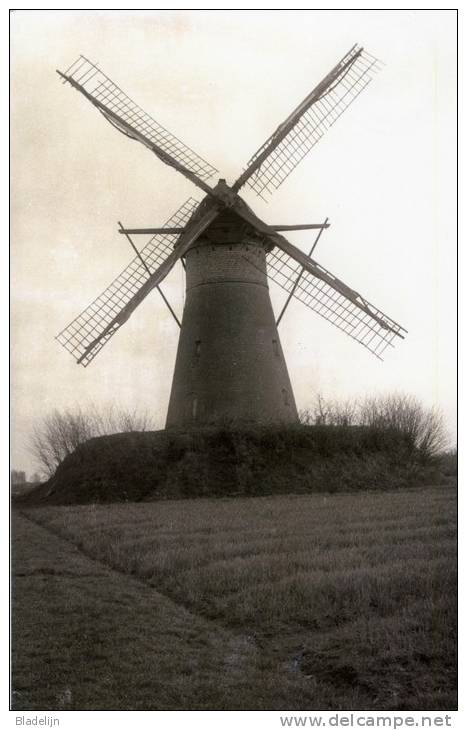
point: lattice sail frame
(365, 323)
(314, 122)
(100, 87)
(333, 306)
(93, 320)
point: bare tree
(111, 419)
(59, 433)
(422, 428)
(329, 412)
(432, 437)
(342, 413)
(318, 414)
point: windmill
(229, 364)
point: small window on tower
(285, 397)
(194, 408)
(198, 348)
(275, 347)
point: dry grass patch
(353, 590)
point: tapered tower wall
(230, 366)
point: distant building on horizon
(18, 477)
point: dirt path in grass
(86, 637)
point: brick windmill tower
(230, 367)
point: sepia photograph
(233, 456)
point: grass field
(343, 601)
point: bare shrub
(111, 419)
(343, 413)
(59, 433)
(422, 428)
(325, 412)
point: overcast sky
(385, 175)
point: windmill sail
(298, 274)
(355, 316)
(321, 290)
(125, 115)
(291, 142)
(87, 327)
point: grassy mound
(226, 462)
